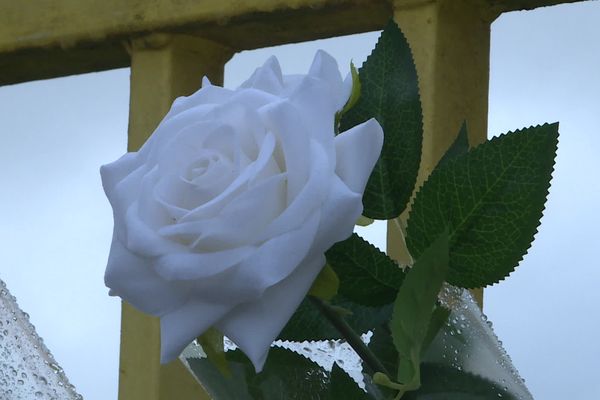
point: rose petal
(130, 277)
(191, 266)
(169, 128)
(310, 198)
(116, 171)
(180, 327)
(144, 240)
(358, 150)
(313, 98)
(339, 214)
(275, 260)
(283, 120)
(272, 262)
(189, 144)
(255, 325)
(267, 78)
(325, 68)
(212, 207)
(208, 94)
(240, 222)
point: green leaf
(438, 319)
(443, 382)
(353, 99)
(308, 324)
(382, 345)
(490, 200)
(458, 148)
(414, 306)
(285, 375)
(367, 275)
(364, 221)
(342, 386)
(212, 344)
(390, 93)
(326, 284)
(216, 384)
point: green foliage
(459, 147)
(390, 93)
(326, 285)
(438, 319)
(490, 200)
(382, 345)
(352, 100)
(367, 275)
(286, 375)
(342, 386)
(307, 323)
(414, 306)
(212, 344)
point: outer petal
(253, 326)
(208, 94)
(267, 78)
(180, 327)
(114, 172)
(325, 68)
(357, 151)
(190, 266)
(271, 263)
(339, 214)
(132, 278)
(314, 100)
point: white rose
(223, 216)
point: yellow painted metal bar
(49, 38)
(64, 22)
(163, 67)
(450, 40)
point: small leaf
(326, 285)
(367, 275)
(459, 147)
(364, 221)
(414, 306)
(490, 200)
(212, 344)
(390, 94)
(354, 96)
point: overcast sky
(56, 224)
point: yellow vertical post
(163, 67)
(450, 41)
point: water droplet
(39, 394)
(20, 382)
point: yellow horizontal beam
(49, 38)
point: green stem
(352, 338)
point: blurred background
(57, 225)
